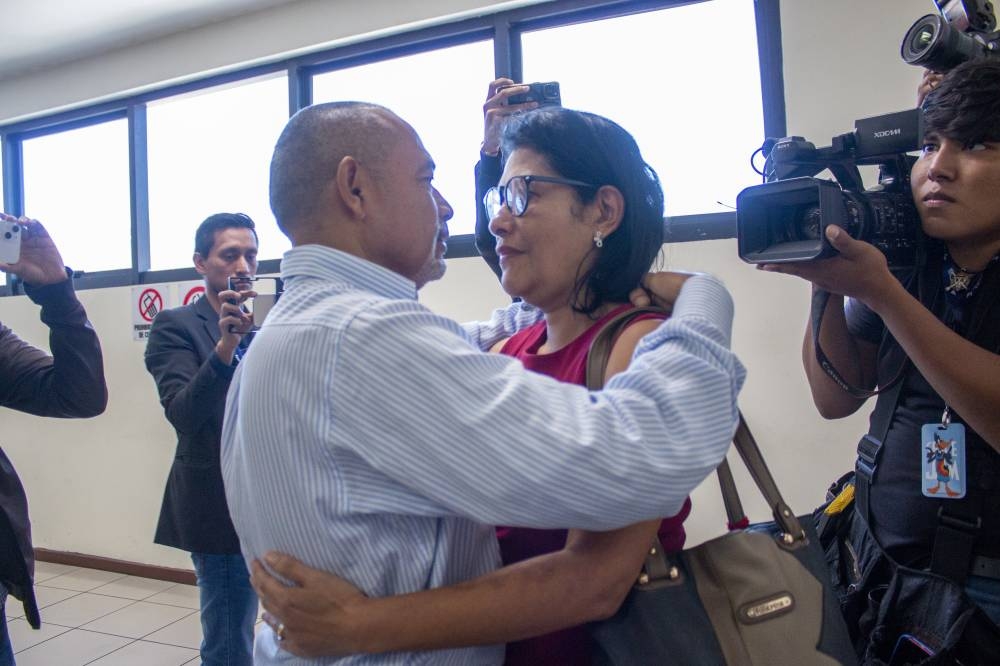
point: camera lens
(550, 90)
(15, 228)
(8, 235)
(934, 43)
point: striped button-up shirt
(370, 437)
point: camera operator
(941, 325)
(192, 354)
(69, 383)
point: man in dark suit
(67, 383)
(192, 353)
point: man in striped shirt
(369, 437)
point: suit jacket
(69, 383)
(192, 382)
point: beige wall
(95, 486)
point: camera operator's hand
(496, 110)
(40, 262)
(928, 82)
(234, 322)
(660, 289)
(859, 271)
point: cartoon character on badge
(942, 454)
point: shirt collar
(326, 263)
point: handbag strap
(604, 340)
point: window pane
(209, 152)
(77, 184)
(685, 81)
(441, 94)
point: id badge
(943, 460)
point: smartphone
(909, 650)
(10, 241)
(546, 94)
(260, 304)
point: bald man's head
(312, 146)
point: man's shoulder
(180, 315)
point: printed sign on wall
(146, 302)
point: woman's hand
(317, 616)
(497, 109)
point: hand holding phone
(543, 94)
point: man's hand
(859, 271)
(234, 322)
(659, 289)
(318, 616)
(496, 110)
(928, 82)
(40, 263)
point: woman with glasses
(577, 220)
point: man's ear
(199, 263)
(611, 209)
(352, 185)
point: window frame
(503, 27)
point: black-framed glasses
(515, 193)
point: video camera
(785, 219)
(963, 30)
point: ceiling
(44, 33)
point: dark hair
(965, 107)
(592, 149)
(204, 237)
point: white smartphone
(10, 241)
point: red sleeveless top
(568, 646)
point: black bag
(754, 596)
(897, 614)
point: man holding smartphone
(69, 383)
(192, 353)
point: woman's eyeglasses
(515, 193)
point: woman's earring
(598, 240)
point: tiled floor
(106, 619)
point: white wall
(95, 486)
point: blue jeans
(6, 650)
(985, 593)
(228, 609)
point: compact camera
(964, 29)
(785, 219)
(546, 94)
(260, 304)
(10, 241)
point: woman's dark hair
(965, 107)
(204, 237)
(592, 149)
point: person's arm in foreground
(637, 448)
(70, 382)
(968, 386)
(585, 581)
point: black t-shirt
(902, 518)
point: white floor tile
(73, 648)
(148, 654)
(185, 596)
(46, 570)
(82, 608)
(137, 620)
(133, 587)
(83, 580)
(46, 596)
(185, 633)
(13, 608)
(22, 636)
